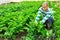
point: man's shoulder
(50, 9)
(40, 8)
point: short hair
(45, 3)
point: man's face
(45, 7)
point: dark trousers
(49, 23)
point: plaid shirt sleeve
(49, 14)
(38, 15)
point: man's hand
(35, 23)
(41, 22)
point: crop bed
(16, 18)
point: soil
(18, 37)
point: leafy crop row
(18, 17)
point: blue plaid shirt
(47, 14)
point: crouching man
(48, 18)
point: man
(47, 12)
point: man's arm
(38, 15)
(49, 14)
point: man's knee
(49, 23)
(50, 20)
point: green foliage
(17, 17)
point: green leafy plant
(18, 17)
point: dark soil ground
(20, 35)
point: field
(16, 18)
